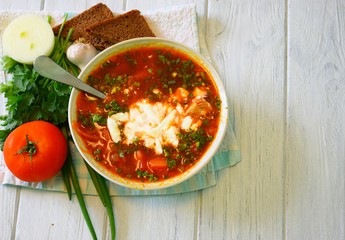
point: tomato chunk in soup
(160, 115)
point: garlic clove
(81, 54)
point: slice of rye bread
(80, 22)
(122, 27)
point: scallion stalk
(103, 193)
(75, 183)
(66, 180)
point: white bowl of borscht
(163, 118)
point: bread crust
(122, 27)
(80, 22)
(99, 27)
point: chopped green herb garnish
(97, 151)
(96, 118)
(144, 174)
(152, 178)
(171, 163)
(163, 59)
(114, 107)
(219, 104)
(130, 59)
(121, 154)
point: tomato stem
(29, 148)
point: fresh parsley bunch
(31, 97)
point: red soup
(160, 115)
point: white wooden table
(284, 65)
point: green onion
(74, 179)
(58, 54)
(103, 192)
(65, 177)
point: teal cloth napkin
(179, 24)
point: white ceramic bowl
(134, 43)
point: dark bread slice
(80, 22)
(122, 27)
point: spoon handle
(48, 68)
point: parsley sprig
(31, 97)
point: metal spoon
(48, 68)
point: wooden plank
(154, 4)
(315, 197)
(9, 197)
(157, 217)
(50, 215)
(20, 5)
(79, 6)
(246, 40)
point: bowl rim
(201, 163)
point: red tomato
(35, 151)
